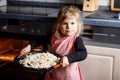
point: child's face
(69, 26)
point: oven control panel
(26, 27)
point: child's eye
(64, 23)
(72, 23)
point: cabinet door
(97, 67)
(102, 63)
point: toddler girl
(67, 42)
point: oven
(18, 27)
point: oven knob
(38, 31)
(32, 30)
(22, 29)
(3, 28)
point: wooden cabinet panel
(97, 67)
(102, 63)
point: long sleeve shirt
(79, 55)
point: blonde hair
(64, 13)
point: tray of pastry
(38, 61)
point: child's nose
(68, 26)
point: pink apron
(64, 46)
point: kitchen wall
(104, 2)
(46, 11)
(100, 2)
(61, 1)
(3, 2)
(40, 10)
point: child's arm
(81, 52)
(36, 42)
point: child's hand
(26, 49)
(64, 61)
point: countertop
(104, 18)
(102, 44)
(100, 17)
